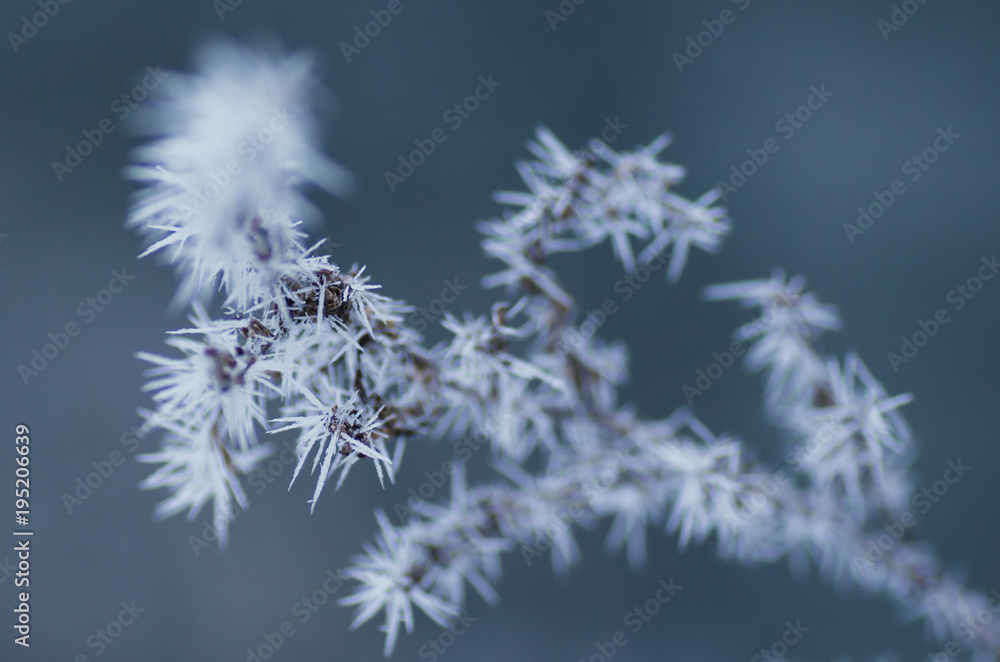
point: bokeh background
(61, 240)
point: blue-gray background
(609, 59)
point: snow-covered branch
(303, 345)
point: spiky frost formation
(543, 383)
(530, 378)
(233, 145)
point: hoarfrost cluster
(304, 345)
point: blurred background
(892, 87)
